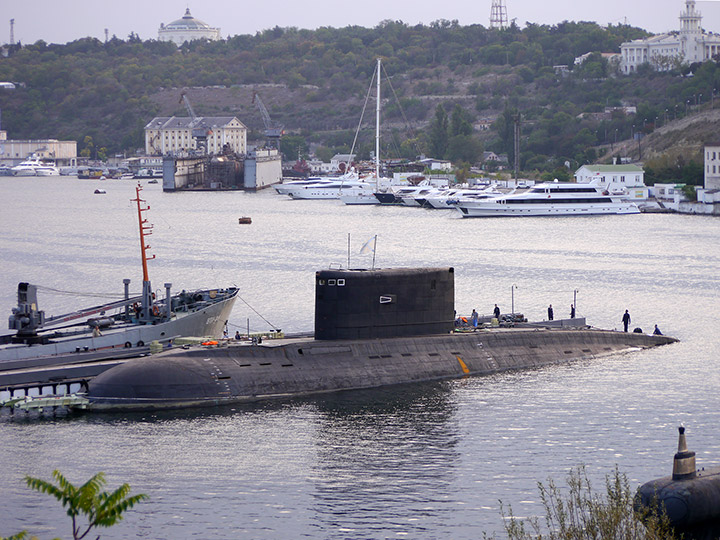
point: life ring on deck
(155, 311)
(128, 344)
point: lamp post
(512, 299)
(575, 300)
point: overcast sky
(62, 21)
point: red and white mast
(145, 230)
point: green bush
(580, 513)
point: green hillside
(455, 90)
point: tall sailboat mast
(377, 125)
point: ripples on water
(421, 461)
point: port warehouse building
(176, 135)
(63, 153)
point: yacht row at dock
(484, 200)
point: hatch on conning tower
(395, 302)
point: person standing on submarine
(626, 320)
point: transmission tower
(498, 15)
(12, 31)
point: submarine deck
(301, 366)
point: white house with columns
(626, 179)
(667, 51)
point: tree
(460, 122)
(439, 133)
(293, 147)
(89, 147)
(464, 148)
(101, 509)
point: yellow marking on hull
(464, 367)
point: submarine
(373, 328)
(689, 498)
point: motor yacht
(550, 199)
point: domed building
(669, 51)
(187, 29)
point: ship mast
(145, 230)
(377, 126)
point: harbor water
(419, 461)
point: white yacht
(286, 187)
(550, 199)
(334, 189)
(34, 167)
(449, 198)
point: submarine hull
(245, 373)
(689, 503)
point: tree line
(448, 80)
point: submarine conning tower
(384, 303)
(690, 498)
(684, 461)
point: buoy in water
(244, 221)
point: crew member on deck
(626, 320)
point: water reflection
(385, 460)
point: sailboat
(367, 196)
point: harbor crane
(199, 134)
(273, 131)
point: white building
(436, 164)
(712, 166)
(187, 29)
(179, 135)
(629, 179)
(667, 51)
(13, 152)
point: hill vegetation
(454, 90)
